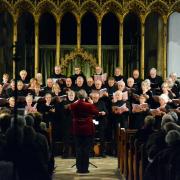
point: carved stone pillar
(121, 48)
(142, 47)
(165, 47)
(78, 33)
(14, 39)
(99, 43)
(36, 44)
(58, 40)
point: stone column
(36, 44)
(142, 47)
(99, 43)
(58, 41)
(165, 47)
(78, 33)
(14, 40)
(121, 47)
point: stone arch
(46, 6)
(158, 6)
(91, 6)
(69, 6)
(175, 7)
(24, 5)
(112, 6)
(135, 6)
(5, 6)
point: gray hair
(172, 137)
(171, 126)
(153, 69)
(174, 115)
(173, 74)
(82, 94)
(43, 126)
(165, 119)
(149, 120)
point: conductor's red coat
(83, 113)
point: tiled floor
(107, 169)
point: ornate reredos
(84, 55)
(98, 7)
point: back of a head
(29, 120)
(165, 119)
(172, 137)
(174, 116)
(38, 118)
(171, 126)
(20, 122)
(81, 94)
(149, 121)
(5, 122)
(29, 135)
(14, 136)
(43, 126)
(5, 110)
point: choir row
(115, 97)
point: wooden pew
(135, 161)
(139, 161)
(125, 153)
(128, 161)
(121, 149)
(118, 144)
(130, 157)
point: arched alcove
(89, 33)
(153, 43)
(132, 41)
(68, 33)
(68, 29)
(47, 44)
(47, 29)
(110, 41)
(25, 41)
(6, 42)
(173, 50)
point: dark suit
(83, 129)
(102, 124)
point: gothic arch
(112, 6)
(158, 6)
(46, 6)
(91, 6)
(24, 5)
(69, 6)
(175, 7)
(5, 6)
(135, 6)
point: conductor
(83, 129)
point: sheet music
(102, 77)
(95, 122)
(54, 80)
(63, 97)
(137, 107)
(36, 98)
(121, 109)
(125, 96)
(102, 91)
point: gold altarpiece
(99, 8)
